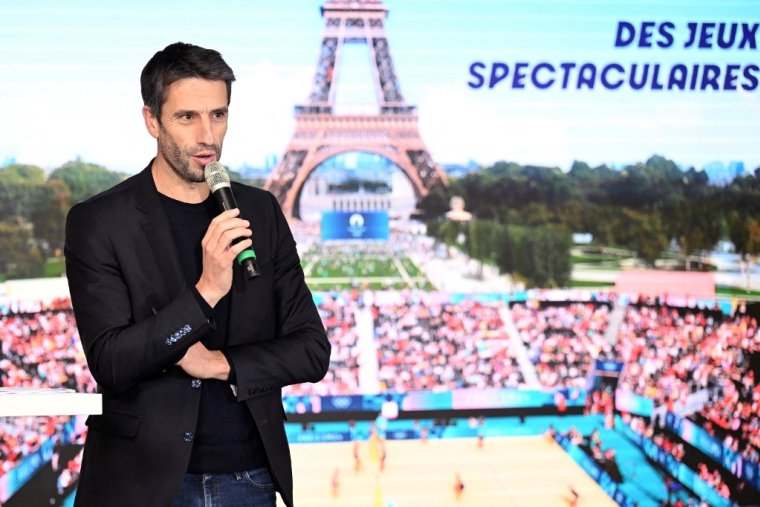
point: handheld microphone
(218, 181)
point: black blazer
(136, 319)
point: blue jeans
(254, 488)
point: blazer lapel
(159, 234)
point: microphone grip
(225, 200)
(247, 258)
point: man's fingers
(225, 232)
(230, 213)
(215, 229)
(221, 218)
(236, 249)
(195, 348)
(226, 239)
(219, 253)
(230, 234)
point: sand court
(508, 471)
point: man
(189, 355)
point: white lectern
(30, 401)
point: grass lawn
(733, 291)
(54, 268)
(595, 259)
(363, 272)
(721, 291)
(597, 267)
(315, 285)
(411, 267)
(335, 267)
(586, 283)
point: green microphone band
(245, 254)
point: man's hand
(219, 254)
(200, 362)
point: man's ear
(151, 122)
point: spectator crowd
(43, 350)
(563, 341)
(436, 342)
(670, 354)
(338, 317)
(40, 348)
(440, 345)
(22, 436)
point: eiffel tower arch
(320, 134)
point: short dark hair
(181, 61)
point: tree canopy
(645, 207)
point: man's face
(193, 125)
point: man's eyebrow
(224, 110)
(184, 112)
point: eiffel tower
(320, 134)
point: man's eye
(186, 117)
(219, 115)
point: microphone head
(216, 176)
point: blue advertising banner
(626, 401)
(602, 478)
(350, 403)
(608, 366)
(401, 435)
(696, 436)
(714, 448)
(17, 477)
(408, 429)
(681, 472)
(296, 436)
(14, 479)
(458, 399)
(358, 225)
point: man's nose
(205, 133)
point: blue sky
(69, 79)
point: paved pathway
(527, 368)
(367, 349)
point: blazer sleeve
(300, 351)
(121, 352)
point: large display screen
(467, 183)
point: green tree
(507, 242)
(644, 233)
(436, 203)
(49, 222)
(22, 191)
(449, 232)
(603, 222)
(24, 172)
(744, 233)
(538, 255)
(85, 180)
(21, 258)
(741, 203)
(482, 241)
(26, 196)
(695, 224)
(548, 262)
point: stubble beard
(179, 160)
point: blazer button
(196, 383)
(188, 436)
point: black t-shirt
(226, 438)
